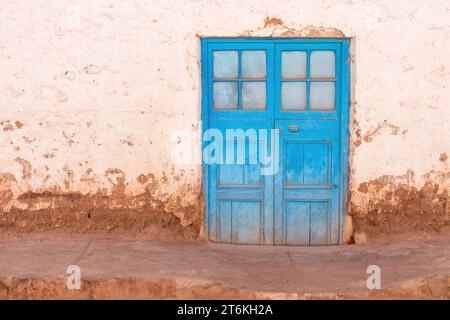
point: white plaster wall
(111, 84)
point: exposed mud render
(62, 212)
(96, 98)
(394, 205)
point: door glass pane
(322, 95)
(322, 64)
(253, 95)
(293, 64)
(225, 95)
(253, 64)
(293, 95)
(225, 64)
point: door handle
(293, 128)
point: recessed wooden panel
(297, 221)
(316, 163)
(319, 223)
(246, 222)
(307, 163)
(224, 223)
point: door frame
(344, 116)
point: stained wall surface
(100, 109)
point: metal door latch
(293, 128)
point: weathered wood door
(275, 117)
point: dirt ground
(34, 267)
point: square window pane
(253, 64)
(322, 64)
(253, 95)
(225, 64)
(293, 95)
(322, 95)
(293, 64)
(225, 95)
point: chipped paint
(402, 204)
(275, 27)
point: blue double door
(275, 140)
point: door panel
(240, 197)
(320, 224)
(247, 222)
(297, 219)
(306, 185)
(240, 221)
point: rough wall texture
(95, 94)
